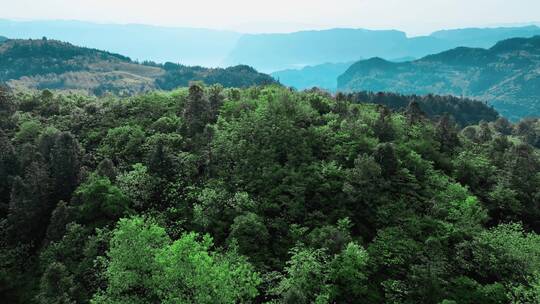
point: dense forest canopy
(464, 111)
(263, 195)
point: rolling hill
(189, 46)
(506, 75)
(52, 64)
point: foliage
(464, 111)
(98, 199)
(225, 195)
(145, 266)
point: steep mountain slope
(323, 76)
(506, 75)
(57, 65)
(190, 46)
(274, 52)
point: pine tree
(414, 113)
(484, 134)
(383, 127)
(160, 161)
(30, 205)
(196, 111)
(7, 108)
(107, 169)
(216, 100)
(61, 216)
(447, 133)
(65, 165)
(386, 157)
(56, 286)
(8, 169)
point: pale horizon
(416, 17)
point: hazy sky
(413, 16)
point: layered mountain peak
(506, 75)
(518, 44)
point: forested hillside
(464, 111)
(51, 64)
(506, 75)
(262, 195)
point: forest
(464, 111)
(207, 194)
(56, 65)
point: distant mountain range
(2, 38)
(323, 76)
(273, 52)
(506, 75)
(189, 46)
(51, 64)
(485, 37)
(265, 52)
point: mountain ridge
(275, 52)
(505, 75)
(267, 52)
(52, 64)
